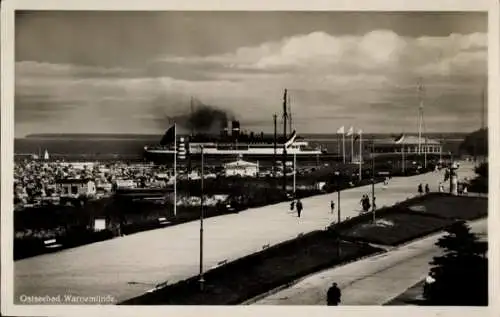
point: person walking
(299, 207)
(420, 189)
(441, 188)
(427, 189)
(332, 206)
(333, 295)
(365, 202)
(292, 205)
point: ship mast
(289, 114)
(421, 123)
(192, 111)
(275, 145)
(420, 116)
(285, 115)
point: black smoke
(198, 118)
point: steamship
(231, 143)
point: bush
(480, 183)
(461, 274)
(482, 170)
(476, 143)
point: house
(76, 187)
(125, 184)
(409, 143)
(241, 168)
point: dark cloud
(113, 38)
(138, 69)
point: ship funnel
(236, 128)
(224, 128)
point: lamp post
(201, 280)
(338, 222)
(373, 181)
(175, 169)
(294, 172)
(338, 204)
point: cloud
(373, 76)
(377, 50)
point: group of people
(297, 205)
(421, 189)
(365, 202)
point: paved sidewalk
(128, 266)
(372, 281)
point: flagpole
(352, 146)
(360, 153)
(338, 143)
(343, 145)
(425, 152)
(175, 169)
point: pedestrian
(299, 207)
(366, 203)
(333, 295)
(427, 189)
(332, 206)
(420, 189)
(441, 188)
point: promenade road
(128, 266)
(372, 281)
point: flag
(358, 135)
(350, 131)
(291, 139)
(400, 138)
(169, 136)
(341, 130)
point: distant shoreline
(138, 136)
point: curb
(388, 249)
(289, 284)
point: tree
(476, 143)
(482, 170)
(461, 273)
(480, 183)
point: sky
(124, 72)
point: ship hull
(229, 156)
